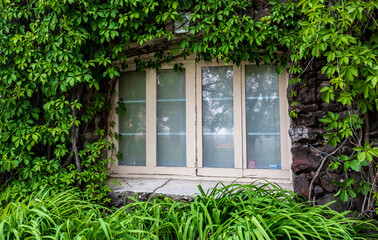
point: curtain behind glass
(132, 124)
(217, 117)
(263, 119)
(171, 131)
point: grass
(227, 212)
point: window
(208, 120)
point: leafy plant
(256, 211)
(344, 35)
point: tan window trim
(194, 131)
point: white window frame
(194, 154)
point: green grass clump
(229, 212)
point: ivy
(59, 60)
(344, 33)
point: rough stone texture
(327, 180)
(119, 199)
(319, 191)
(309, 146)
(338, 205)
(307, 95)
(304, 159)
(299, 134)
(302, 185)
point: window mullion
(151, 118)
(243, 119)
(199, 115)
(190, 115)
(238, 143)
(284, 122)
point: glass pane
(132, 123)
(171, 130)
(263, 119)
(133, 150)
(133, 120)
(171, 150)
(217, 117)
(132, 86)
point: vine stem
(320, 168)
(75, 130)
(372, 174)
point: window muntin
(262, 117)
(132, 124)
(217, 117)
(171, 118)
(194, 147)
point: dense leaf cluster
(238, 212)
(344, 34)
(57, 70)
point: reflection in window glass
(171, 132)
(132, 123)
(263, 120)
(217, 117)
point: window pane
(133, 149)
(132, 123)
(171, 131)
(217, 117)
(263, 119)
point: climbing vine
(344, 34)
(60, 59)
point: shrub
(230, 212)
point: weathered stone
(121, 198)
(338, 205)
(321, 76)
(319, 115)
(358, 202)
(250, 11)
(318, 191)
(304, 109)
(311, 82)
(301, 134)
(327, 180)
(304, 159)
(332, 107)
(327, 148)
(301, 185)
(259, 4)
(308, 120)
(317, 65)
(261, 13)
(117, 198)
(346, 150)
(306, 95)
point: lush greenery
(230, 212)
(344, 33)
(57, 70)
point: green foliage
(344, 33)
(59, 60)
(262, 211)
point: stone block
(300, 134)
(306, 95)
(327, 180)
(301, 185)
(310, 108)
(338, 205)
(304, 159)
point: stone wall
(309, 146)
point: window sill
(181, 185)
